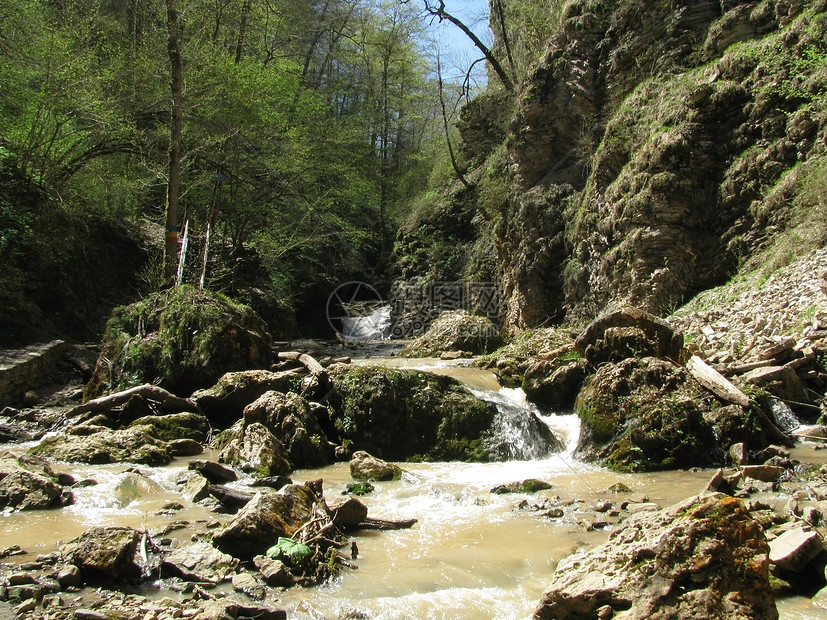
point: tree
(176, 130)
(437, 10)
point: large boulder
(456, 330)
(129, 445)
(293, 421)
(363, 466)
(642, 414)
(267, 516)
(27, 483)
(224, 402)
(105, 554)
(402, 415)
(183, 339)
(702, 558)
(255, 451)
(628, 332)
(175, 426)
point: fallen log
(167, 400)
(304, 359)
(715, 382)
(372, 523)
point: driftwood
(715, 382)
(147, 390)
(372, 523)
(304, 359)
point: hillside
(653, 151)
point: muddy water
(472, 554)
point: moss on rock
(404, 415)
(183, 338)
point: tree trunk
(176, 130)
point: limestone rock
(224, 402)
(268, 515)
(258, 453)
(793, 549)
(275, 572)
(27, 483)
(764, 473)
(363, 466)
(629, 332)
(104, 554)
(702, 558)
(348, 512)
(129, 445)
(642, 415)
(220, 336)
(214, 472)
(455, 330)
(201, 562)
(183, 425)
(780, 381)
(294, 423)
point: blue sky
(456, 49)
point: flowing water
(472, 553)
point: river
(472, 554)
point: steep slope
(653, 150)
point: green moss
(403, 415)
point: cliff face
(653, 150)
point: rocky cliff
(656, 149)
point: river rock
(183, 425)
(642, 414)
(258, 452)
(105, 554)
(363, 466)
(702, 558)
(402, 414)
(294, 423)
(553, 383)
(764, 473)
(455, 330)
(185, 447)
(628, 332)
(793, 549)
(130, 445)
(27, 483)
(275, 573)
(202, 335)
(200, 562)
(781, 381)
(347, 512)
(268, 515)
(224, 402)
(216, 473)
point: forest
(281, 139)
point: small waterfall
(784, 416)
(518, 432)
(375, 326)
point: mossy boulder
(643, 414)
(130, 445)
(456, 331)
(175, 426)
(702, 558)
(182, 339)
(401, 415)
(291, 421)
(224, 402)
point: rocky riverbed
(751, 370)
